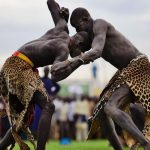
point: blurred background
(24, 20)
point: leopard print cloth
(113, 84)
(17, 77)
(137, 76)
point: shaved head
(77, 14)
(80, 43)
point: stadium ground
(88, 145)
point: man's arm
(100, 31)
(64, 69)
(55, 10)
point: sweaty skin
(52, 47)
(106, 42)
(111, 45)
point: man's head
(80, 19)
(79, 43)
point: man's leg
(138, 115)
(108, 128)
(45, 119)
(119, 98)
(7, 140)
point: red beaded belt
(23, 57)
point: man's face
(78, 45)
(75, 49)
(82, 24)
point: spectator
(55, 120)
(51, 86)
(82, 112)
(4, 122)
(64, 126)
(71, 118)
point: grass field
(88, 145)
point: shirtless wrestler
(20, 82)
(130, 82)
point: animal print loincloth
(113, 84)
(137, 76)
(17, 77)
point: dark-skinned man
(21, 85)
(129, 83)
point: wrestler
(130, 82)
(20, 82)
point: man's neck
(90, 29)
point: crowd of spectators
(70, 120)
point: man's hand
(64, 12)
(60, 71)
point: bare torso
(52, 47)
(117, 49)
(106, 42)
(48, 49)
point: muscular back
(52, 47)
(117, 50)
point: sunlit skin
(51, 48)
(106, 42)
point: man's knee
(109, 109)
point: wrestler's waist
(23, 57)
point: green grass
(88, 145)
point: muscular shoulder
(61, 54)
(100, 25)
(62, 26)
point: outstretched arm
(64, 69)
(100, 30)
(54, 9)
(57, 12)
